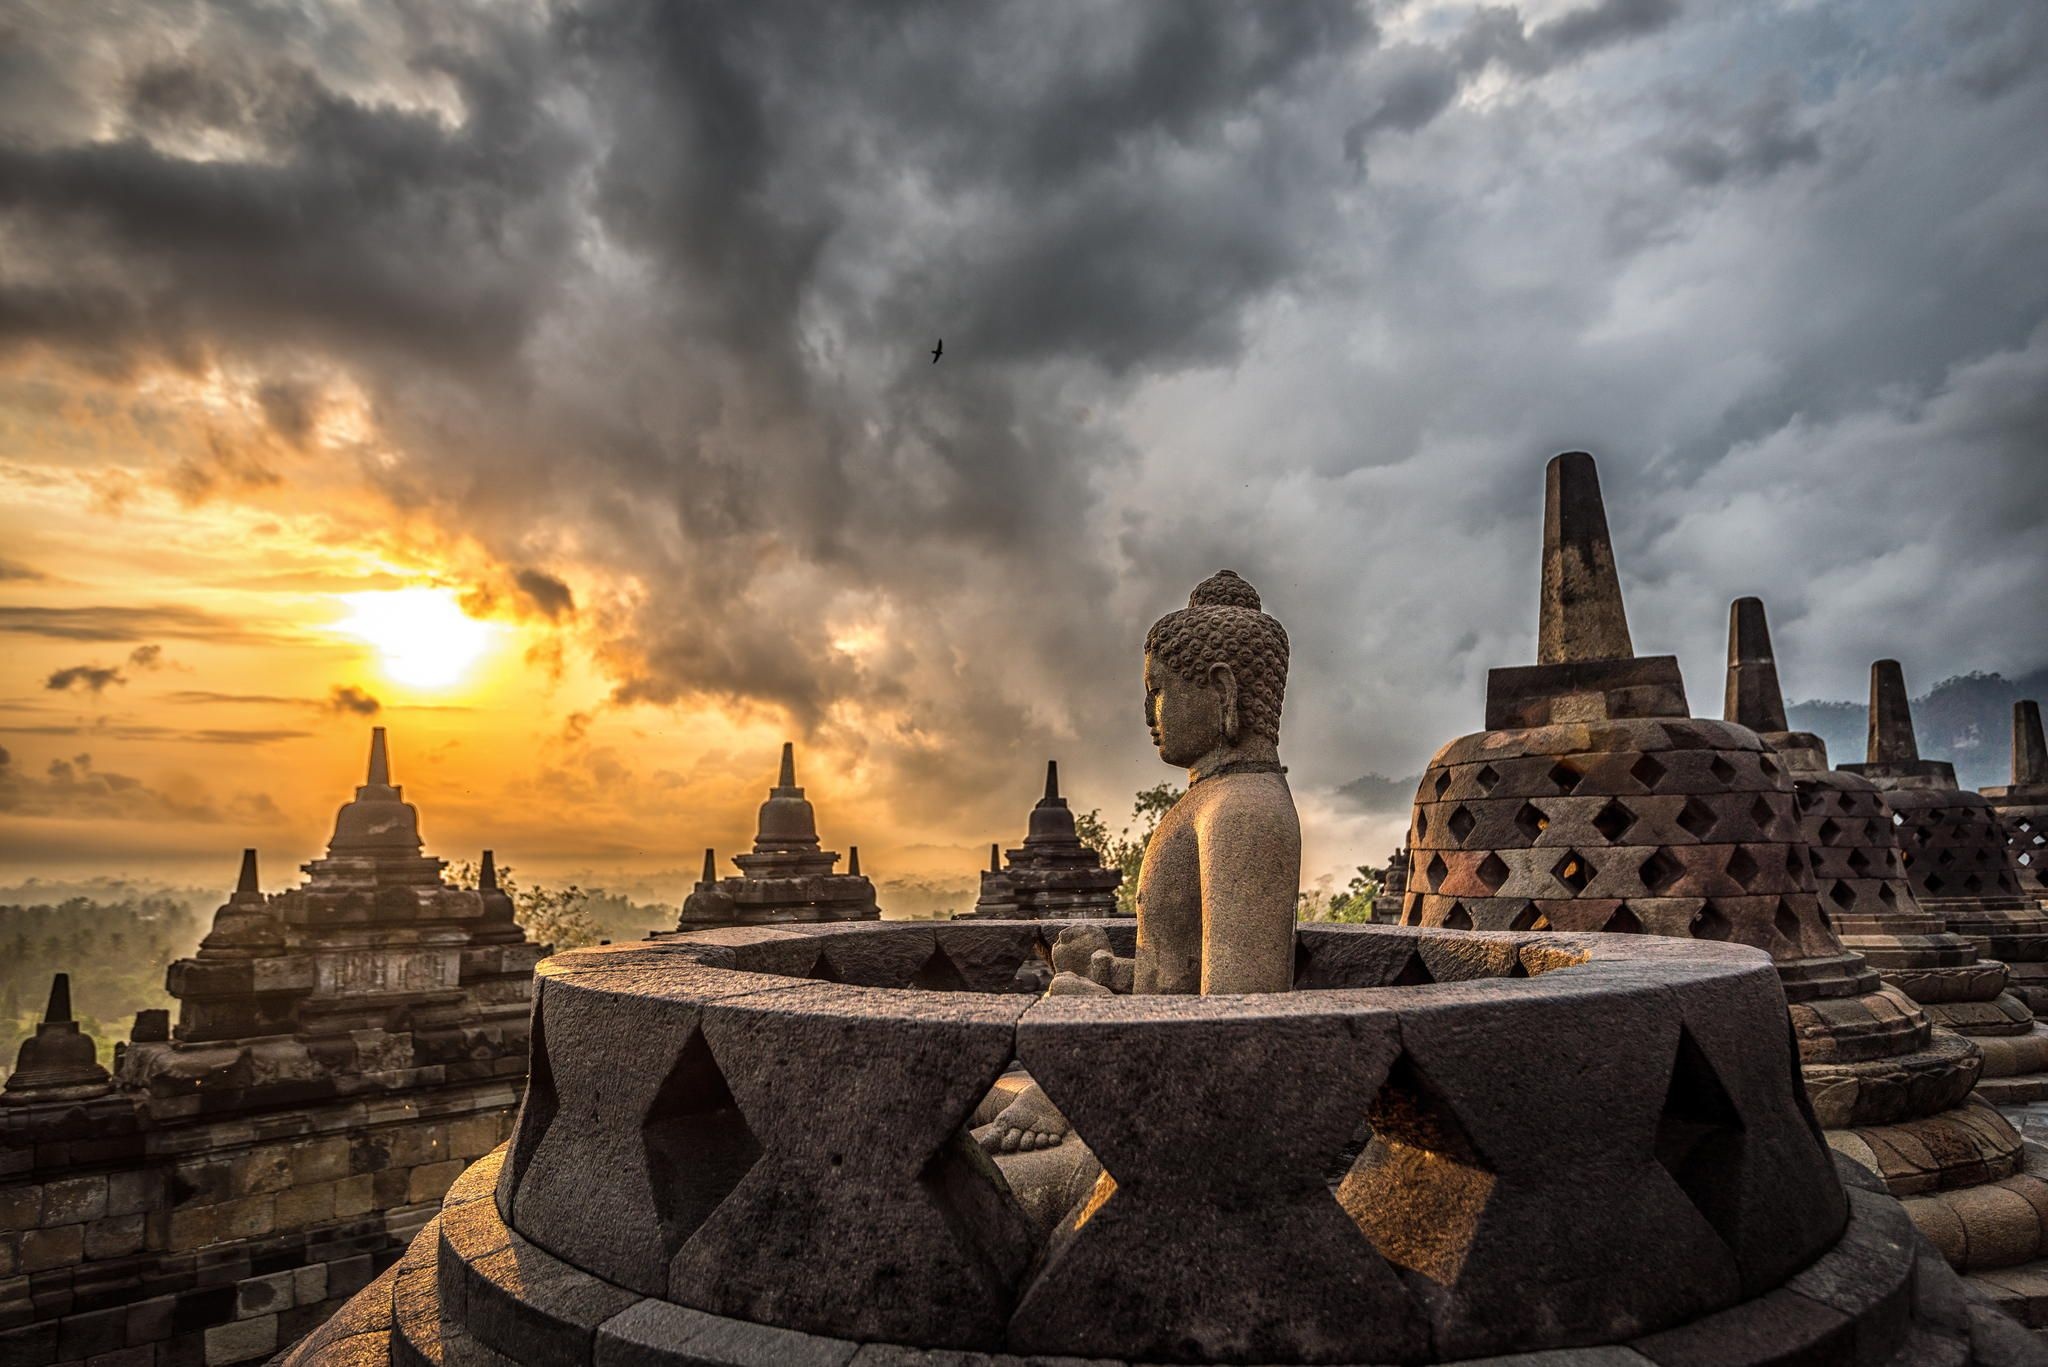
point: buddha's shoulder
(1255, 799)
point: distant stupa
(787, 876)
(1052, 873)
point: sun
(424, 637)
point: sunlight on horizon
(422, 636)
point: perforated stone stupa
(2022, 805)
(1953, 843)
(1052, 873)
(787, 876)
(1958, 1165)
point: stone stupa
(1959, 1166)
(787, 876)
(2022, 805)
(1954, 844)
(59, 1062)
(1052, 873)
(1596, 801)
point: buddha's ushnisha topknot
(1224, 589)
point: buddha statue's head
(1215, 673)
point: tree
(1125, 851)
(551, 916)
(1352, 905)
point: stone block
(388, 1187)
(354, 1195)
(114, 1237)
(473, 1137)
(194, 1227)
(143, 1356)
(249, 1217)
(267, 1169)
(43, 1249)
(346, 1276)
(320, 1160)
(429, 1181)
(149, 1321)
(10, 1254)
(657, 1334)
(299, 1207)
(21, 1206)
(266, 1295)
(241, 1340)
(32, 1345)
(74, 1200)
(130, 1193)
(93, 1332)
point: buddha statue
(1217, 892)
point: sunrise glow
(422, 636)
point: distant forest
(1966, 720)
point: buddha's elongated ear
(1225, 683)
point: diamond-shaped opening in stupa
(1858, 861)
(1660, 871)
(1786, 922)
(1530, 917)
(1697, 818)
(1443, 783)
(697, 1143)
(1573, 871)
(939, 973)
(1421, 826)
(1420, 1187)
(1613, 820)
(1699, 1138)
(1487, 779)
(1457, 918)
(1461, 823)
(1742, 867)
(1711, 923)
(1531, 821)
(1492, 872)
(1435, 872)
(1564, 777)
(1722, 770)
(1827, 831)
(1842, 895)
(1760, 812)
(1768, 765)
(1647, 771)
(1623, 922)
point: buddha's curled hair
(1223, 624)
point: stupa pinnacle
(1053, 873)
(787, 876)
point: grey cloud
(548, 593)
(130, 624)
(149, 656)
(15, 571)
(85, 678)
(1759, 140)
(75, 788)
(349, 699)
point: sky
(550, 383)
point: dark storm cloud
(84, 678)
(644, 292)
(548, 593)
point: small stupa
(787, 876)
(230, 989)
(2022, 805)
(59, 1062)
(1953, 843)
(1956, 1163)
(1053, 873)
(1386, 904)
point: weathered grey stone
(656, 1334)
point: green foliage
(1126, 849)
(1352, 905)
(561, 917)
(116, 952)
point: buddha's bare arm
(1251, 874)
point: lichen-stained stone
(987, 955)
(1176, 1097)
(868, 1214)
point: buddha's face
(1185, 718)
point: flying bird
(936, 350)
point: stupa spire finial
(853, 861)
(1580, 613)
(247, 882)
(380, 762)
(1891, 716)
(59, 1009)
(787, 778)
(487, 876)
(1052, 780)
(710, 866)
(995, 858)
(1754, 697)
(2029, 750)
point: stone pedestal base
(472, 1293)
